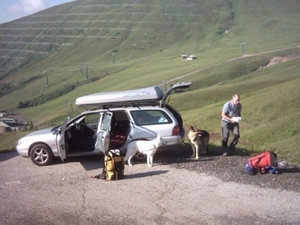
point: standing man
(231, 116)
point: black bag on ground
(114, 165)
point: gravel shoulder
(231, 168)
(177, 190)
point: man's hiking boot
(232, 149)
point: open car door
(103, 135)
(177, 86)
(62, 148)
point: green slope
(121, 45)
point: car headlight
(19, 142)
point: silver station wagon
(120, 117)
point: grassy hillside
(84, 47)
(270, 99)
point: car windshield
(150, 117)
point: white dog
(148, 148)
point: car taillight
(176, 131)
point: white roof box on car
(118, 98)
(129, 97)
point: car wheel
(41, 155)
(140, 156)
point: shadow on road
(90, 162)
(288, 170)
(6, 155)
(145, 174)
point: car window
(150, 117)
(92, 118)
(105, 123)
(120, 116)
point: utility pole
(243, 47)
(86, 71)
(282, 27)
(71, 105)
(47, 84)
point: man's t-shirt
(231, 110)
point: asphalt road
(64, 193)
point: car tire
(140, 156)
(41, 155)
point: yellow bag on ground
(114, 165)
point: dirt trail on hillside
(273, 61)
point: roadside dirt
(177, 190)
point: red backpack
(260, 162)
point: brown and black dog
(198, 137)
